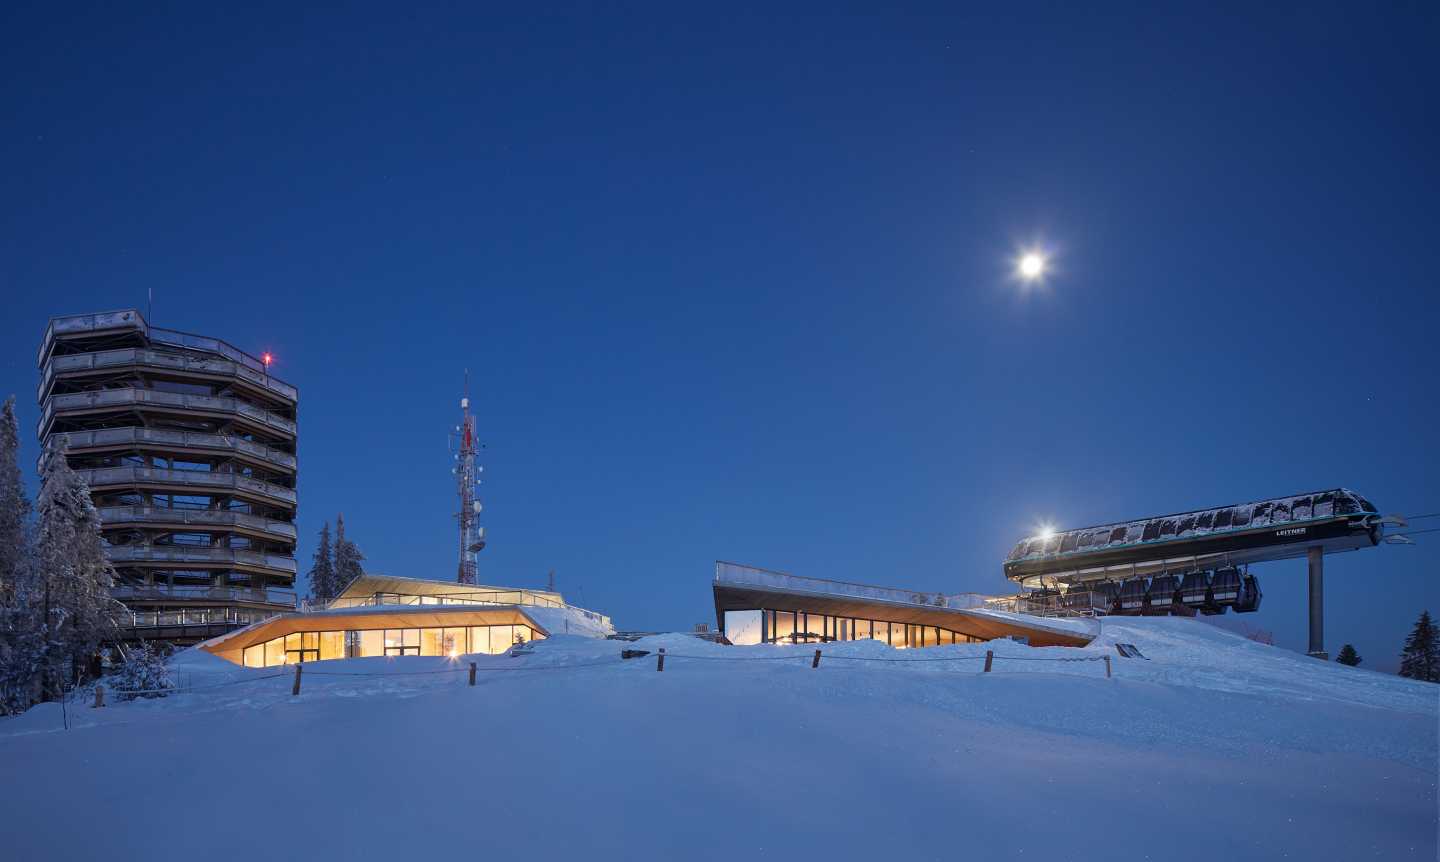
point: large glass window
(782, 627)
(332, 645)
(813, 629)
(255, 656)
(743, 627)
(402, 641)
(274, 652)
(372, 643)
(455, 643)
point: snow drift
(1211, 747)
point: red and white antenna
(467, 473)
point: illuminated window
(742, 627)
(454, 643)
(372, 643)
(332, 645)
(782, 627)
(255, 656)
(274, 652)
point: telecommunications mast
(467, 474)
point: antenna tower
(467, 474)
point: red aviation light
(267, 359)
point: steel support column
(1316, 558)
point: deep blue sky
(733, 283)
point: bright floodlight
(1031, 265)
(1046, 531)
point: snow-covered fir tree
(73, 575)
(1348, 656)
(323, 585)
(145, 673)
(1421, 657)
(14, 504)
(347, 557)
(22, 638)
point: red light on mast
(267, 359)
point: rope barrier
(458, 670)
(607, 663)
(187, 689)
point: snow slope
(1213, 748)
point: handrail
(183, 617)
(132, 319)
(494, 597)
(192, 478)
(170, 361)
(1326, 511)
(130, 396)
(735, 573)
(193, 517)
(163, 592)
(185, 439)
(182, 554)
(471, 597)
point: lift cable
(1415, 532)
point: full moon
(1032, 266)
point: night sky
(736, 284)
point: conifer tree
(1348, 656)
(347, 557)
(73, 575)
(1421, 657)
(145, 673)
(14, 504)
(21, 634)
(323, 585)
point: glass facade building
(797, 627)
(298, 647)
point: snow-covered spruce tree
(1348, 656)
(14, 504)
(347, 557)
(146, 670)
(21, 636)
(1421, 657)
(322, 574)
(74, 577)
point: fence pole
(816, 661)
(1107, 667)
(660, 660)
(295, 689)
(989, 659)
(472, 673)
(99, 696)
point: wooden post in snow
(99, 696)
(295, 689)
(472, 673)
(816, 662)
(1107, 667)
(660, 660)
(989, 659)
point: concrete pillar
(1316, 557)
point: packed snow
(1211, 747)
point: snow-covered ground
(1215, 748)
